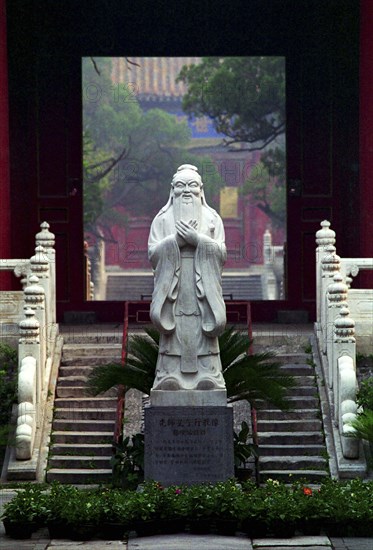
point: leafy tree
(129, 155)
(245, 97)
(266, 187)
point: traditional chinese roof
(152, 78)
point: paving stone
(293, 543)
(89, 545)
(190, 542)
(352, 543)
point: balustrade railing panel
(35, 310)
(335, 328)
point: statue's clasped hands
(187, 233)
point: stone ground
(40, 541)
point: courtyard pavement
(183, 541)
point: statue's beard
(187, 208)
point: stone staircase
(292, 443)
(83, 426)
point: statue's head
(186, 181)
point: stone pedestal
(188, 444)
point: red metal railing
(254, 422)
(118, 431)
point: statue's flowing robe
(187, 304)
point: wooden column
(366, 135)
(5, 251)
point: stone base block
(188, 398)
(188, 445)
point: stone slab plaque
(188, 445)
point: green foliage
(248, 377)
(365, 394)
(347, 502)
(128, 462)
(252, 377)
(114, 505)
(363, 423)
(138, 371)
(279, 502)
(80, 507)
(266, 187)
(130, 155)
(8, 390)
(363, 426)
(242, 449)
(245, 96)
(27, 506)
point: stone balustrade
(35, 310)
(339, 313)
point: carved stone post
(344, 345)
(35, 300)
(28, 385)
(268, 260)
(40, 267)
(46, 239)
(330, 265)
(324, 237)
(337, 298)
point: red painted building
(328, 45)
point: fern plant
(252, 377)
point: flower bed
(273, 509)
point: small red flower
(307, 491)
(178, 491)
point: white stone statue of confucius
(187, 251)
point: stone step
(83, 426)
(79, 475)
(74, 462)
(81, 449)
(289, 476)
(83, 350)
(274, 414)
(78, 413)
(294, 358)
(288, 425)
(290, 438)
(82, 438)
(71, 381)
(79, 391)
(91, 360)
(107, 333)
(300, 391)
(291, 450)
(74, 370)
(297, 369)
(296, 402)
(85, 402)
(304, 380)
(298, 462)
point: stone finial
(337, 291)
(39, 263)
(29, 328)
(34, 293)
(331, 262)
(344, 326)
(45, 237)
(325, 235)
